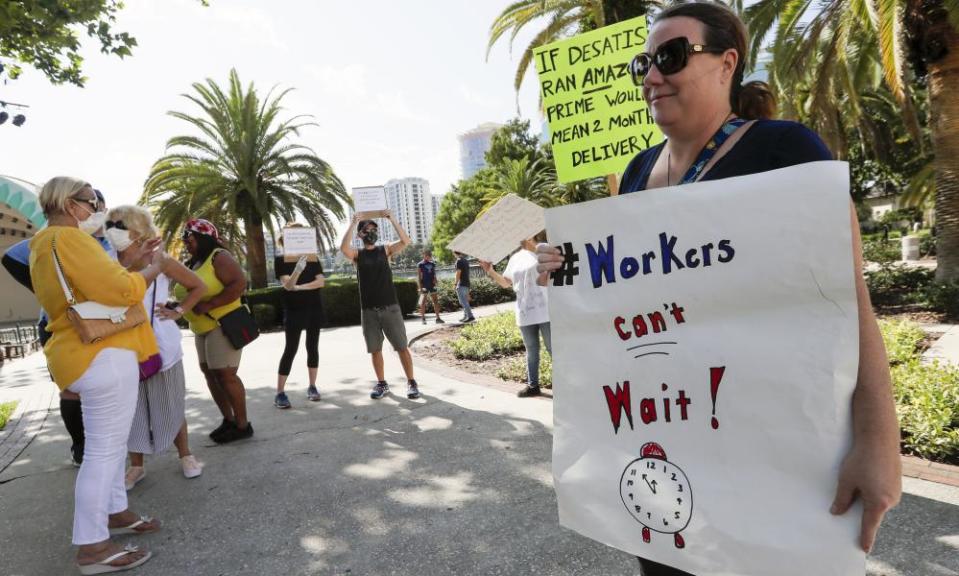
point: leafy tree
(904, 39)
(459, 209)
(563, 18)
(243, 167)
(512, 142)
(44, 35)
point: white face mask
(119, 239)
(93, 223)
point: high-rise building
(411, 202)
(473, 147)
(437, 200)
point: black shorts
(428, 290)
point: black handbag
(239, 326)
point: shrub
(902, 339)
(6, 410)
(944, 297)
(897, 285)
(515, 369)
(341, 300)
(265, 315)
(483, 292)
(927, 403)
(493, 336)
(927, 245)
(881, 252)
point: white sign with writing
(705, 342)
(299, 242)
(371, 199)
(497, 233)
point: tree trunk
(255, 253)
(944, 124)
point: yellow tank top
(203, 324)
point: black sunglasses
(671, 57)
(118, 224)
(186, 234)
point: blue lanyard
(709, 150)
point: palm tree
(563, 18)
(533, 181)
(905, 39)
(243, 167)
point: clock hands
(652, 486)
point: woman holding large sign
(691, 76)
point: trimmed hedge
(483, 292)
(341, 302)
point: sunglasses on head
(671, 57)
(118, 224)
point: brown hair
(725, 30)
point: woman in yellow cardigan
(105, 373)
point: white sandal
(132, 528)
(104, 566)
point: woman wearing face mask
(103, 372)
(717, 128)
(159, 421)
(219, 360)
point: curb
(24, 425)
(913, 467)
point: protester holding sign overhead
(302, 311)
(691, 74)
(380, 312)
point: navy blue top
(767, 145)
(428, 270)
(463, 265)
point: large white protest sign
(705, 342)
(300, 242)
(497, 233)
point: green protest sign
(597, 118)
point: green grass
(498, 336)
(6, 410)
(516, 369)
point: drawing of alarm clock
(657, 494)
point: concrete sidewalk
(458, 482)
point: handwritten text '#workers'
(671, 256)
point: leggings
(296, 321)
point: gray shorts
(387, 321)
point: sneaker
(191, 467)
(438, 321)
(235, 433)
(470, 319)
(412, 390)
(529, 392)
(281, 401)
(223, 427)
(133, 476)
(379, 390)
(424, 319)
(312, 394)
(76, 455)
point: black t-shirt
(375, 278)
(300, 299)
(767, 145)
(463, 266)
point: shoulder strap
(725, 148)
(67, 292)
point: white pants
(108, 390)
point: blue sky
(390, 84)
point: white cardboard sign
(299, 242)
(497, 233)
(705, 342)
(369, 199)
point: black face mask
(370, 237)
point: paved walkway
(458, 482)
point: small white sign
(369, 199)
(299, 242)
(497, 233)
